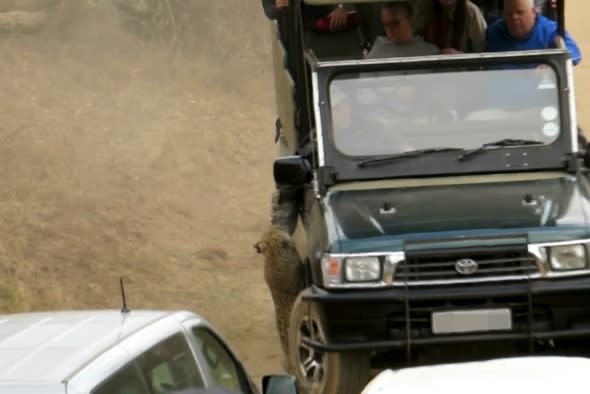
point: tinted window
(126, 381)
(170, 366)
(225, 371)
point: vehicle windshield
(379, 113)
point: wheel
(319, 372)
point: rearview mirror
(279, 384)
(291, 170)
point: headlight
(568, 257)
(359, 271)
(362, 269)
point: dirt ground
(121, 158)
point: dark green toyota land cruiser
(445, 204)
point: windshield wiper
(413, 153)
(497, 144)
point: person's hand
(281, 3)
(338, 18)
(449, 51)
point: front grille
(443, 267)
(420, 315)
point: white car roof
(539, 375)
(47, 348)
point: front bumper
(400, 318)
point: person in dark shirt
(454, 26)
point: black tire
(333, 373)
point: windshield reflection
(389, 112)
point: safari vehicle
(445, 205)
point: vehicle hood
(541, 375)
(382, 217)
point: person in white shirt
(400, 40)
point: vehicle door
(167, 367)
(222, 370)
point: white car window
(126, 381)
(170, 366)
(224, 369)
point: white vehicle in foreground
(121, 352)
(538, 375)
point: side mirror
(279, 384)
(291, 170)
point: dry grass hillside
(579, 28)
(123, 157)
(144, 159)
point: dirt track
(123, 159)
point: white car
(538, 375)
(121, 352)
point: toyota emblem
(466, 266)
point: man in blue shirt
(522, 28)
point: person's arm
(570, 43)
(573, 49)
(339, 16)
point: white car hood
(539, 375)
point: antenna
(124, 309)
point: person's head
(520, 17)
(396, 17)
